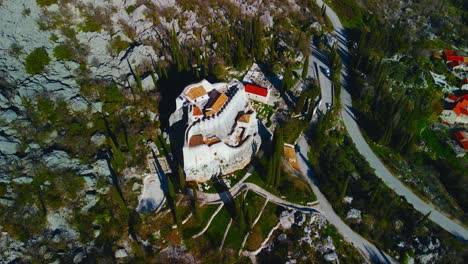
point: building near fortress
(221, 129)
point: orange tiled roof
(452, 97)
(197, 111)
(245, 118)
(196, 140)
(217, 104)
(196, 92)
(462, 138)
(289, 152)
(461, 108)
(212, 140)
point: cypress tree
(344, 189)
(195, 204)
(181, 179)
(278, 153)
(305, 69)
(376, 191)
(287, 79)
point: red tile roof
(465, 80)
(255, 89)
(456, 58)
(461, 108)
(449, 52)
(454, 63)
(462, 138)
(197, 111)
(452, 97)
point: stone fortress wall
(205, 160)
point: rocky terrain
(79, 103)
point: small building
(455, 59)
(257, 85)
(451, 98)
(462, 138)
(458, 114)
(257, 93)
(290, 155)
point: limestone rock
(287, 219)
(354, 215)
(59, 159)
(7, 146)
(98, 139)
(331, 257)
(121, 253)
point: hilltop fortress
(221, 129)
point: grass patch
(63, 53)
(131, 8)
(90, 25)
(269, 218)
(195, 225)
(43, 3)
(37, 61)
(217, 228)
(292, 188)
(118, 44)
(434, 143)
(349, 12)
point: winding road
(366, 248)
(381, 171)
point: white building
(221, 133)
(258, 87)
(457, 115)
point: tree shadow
(225, 196)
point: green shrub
(131, 8)
(118, 45)
(90, 25)
(63, 52)
(43, 3)
(37, 61)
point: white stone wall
(203, 162)
(258, 98)
(222, 124)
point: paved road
(381, 171)
(366, 248)
(317, 63)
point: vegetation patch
(44, 3)
(37, 61)
(63, 52)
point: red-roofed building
(455, 58)
(462, 137)
(464, 80)
(454, 63)
(451, 98)
(197, 111)
(457, 115)
(461, 108)
(257, 93)
(449, 53)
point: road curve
(367, 249)
(381, 171)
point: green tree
(181, 179)
(305, 69)
(36, 61)
(287, 79)
(344, 189)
